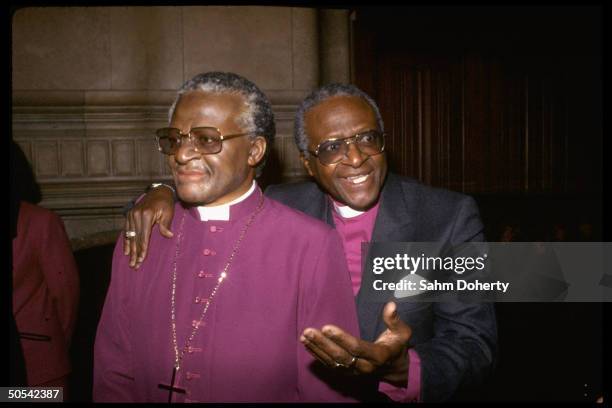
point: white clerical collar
(345, 211)
(222, 212)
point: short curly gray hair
(257, 117)
(321, 94)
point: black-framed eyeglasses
(370, 142)
(205, 139)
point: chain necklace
(178, 357)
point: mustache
(201, 167)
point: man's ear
(305, 158)
(257, 150)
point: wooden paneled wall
(91, 84)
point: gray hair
(257, 118)
(321, 94)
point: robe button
(208, 252)
(213, 228)
(201, 274)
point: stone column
(334, 46)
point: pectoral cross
(171, 388)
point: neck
(244, 193)
(242, 189)
(346, 211)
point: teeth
(357, 179)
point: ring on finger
(130, 234)
(349, 365)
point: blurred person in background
(45, 279)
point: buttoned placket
(205, 281)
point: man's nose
(186, 151)
(354, 156)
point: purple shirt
(353, 231)
(285, 277)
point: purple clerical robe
(288, 274)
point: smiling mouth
(358, 179)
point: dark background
(488, 99)
(505, 104)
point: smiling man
(417, 351)
(347, 143)
(215, 314)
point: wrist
(157, 186)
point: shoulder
(288, 218)
(305, 196)
(437, 214)
(292, 191)
(427, 197)
(34, 210)
(40, 216)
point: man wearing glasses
(417, 351)
(215, 314)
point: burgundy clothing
(286, 276)
(45, 293)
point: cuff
(412, 393)
(139, 199)
(131, 204)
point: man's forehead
(202, 104)
(339, 115)
(351, 103)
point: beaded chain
(178, 357)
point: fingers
(126, 242)
(395, 324)
(308, 338)
(165, 221)
(130, 243)
(134, 242)
(351, 344)
(370, 355)
(390, 315)
(326, 348)
(330, 353)
(394, 341)
(143, 233)
(386, 356)
(312, 353)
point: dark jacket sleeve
(464, 343)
